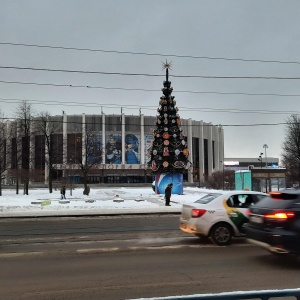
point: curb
(85, 214)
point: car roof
(285, 194)
(234, 192)
(230, 191)
(290, 191)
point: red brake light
(282, 195)
(276, 195)
(196, 213)
(280, 216)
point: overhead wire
(144, 107)
(149, 54)
(150, 75)
(142, 74)
(156, 75)
(145, 90)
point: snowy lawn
(104, 199)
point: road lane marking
(17, 254)
(115, 249)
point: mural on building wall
(98, 149)
(148, 146)
(95, 150)
(132, 148)
(113, 149)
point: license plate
(256, 219)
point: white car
(219, 215)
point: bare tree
(291, 149)
(47, 126)
(91, 158)
(4, 149)
(221, 179)
(24, 119)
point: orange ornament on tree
(166, 136)
(185, 152)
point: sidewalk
(96, 212)
(100, 202)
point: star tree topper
(167, 65)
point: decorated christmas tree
(169, 152)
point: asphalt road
(128, 258)
(67, 234)
(154, 272)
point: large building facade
(120, 145)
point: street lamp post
(266, 146)
(260, 159)
(268, 181)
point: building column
(83, 139)
(65, 143)
(221, 147)
(123, 137)
(201, 153)
(142, 145)
(209, 150)
(103, 138)
(190, 147)
(218, 159)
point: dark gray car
(274, 222)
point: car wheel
(221, 234)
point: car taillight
(282, 196)
(276, 195)
(196, 213)
(280, 216)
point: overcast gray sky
(208, 39)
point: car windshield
(208, 198)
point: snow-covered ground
(40, 202)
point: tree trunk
(27, 186)
(0, 180)
(17, 185)
(50, 185)
(86, 190)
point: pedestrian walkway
(114, 201)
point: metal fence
(263, 295)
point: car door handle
(234, 214)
